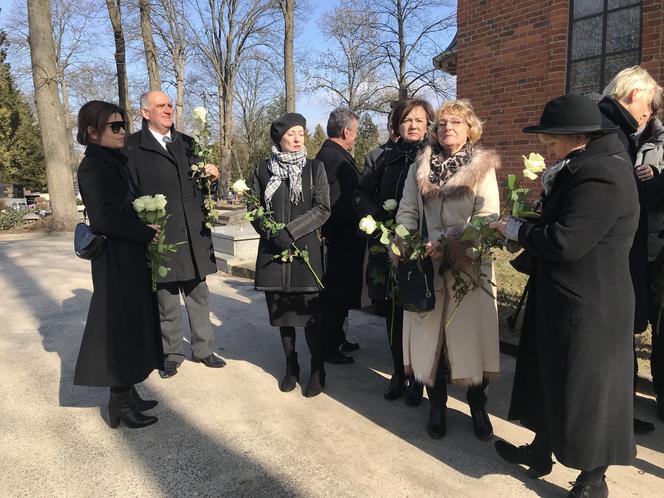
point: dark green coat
(303, 222)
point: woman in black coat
(296, 191)
(383, 180)
(122, 340)
(573, 380)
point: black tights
(314, 341)
(395, 335)
(475, 395)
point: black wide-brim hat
(284, 123)
(569, 115)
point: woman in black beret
(295, 190)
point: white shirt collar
(159, 137)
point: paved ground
(231, 432)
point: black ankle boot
(481, 423)
(538, 465)
(414, 392)
(316, 381)
(121, 406)
(396, 387)
(589, 489)
(437, 424)
(289, 381)
(142, 404)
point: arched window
(604, 37)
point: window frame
(603, 54)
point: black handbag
(87, 244)
(415, 280)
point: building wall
(512, 59)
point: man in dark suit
(160, 159)
(345, 250)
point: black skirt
(293, 309)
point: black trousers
(333, 317)
(657, 352)
(475, 395)
(394, 321)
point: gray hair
(340, 118)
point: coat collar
(149, 142)
(330, 144)
(112, 157)
(618, 115)
(464, 181)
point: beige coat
(469, 344)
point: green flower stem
(308, 263)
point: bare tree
(350, 74)
(171, 27)
(50, 115)
(115, 15)
(409, 36)
(288, 12)
(150, 47)
(232, 30)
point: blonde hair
(631, 78)
(462, 108)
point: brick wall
(512, 59)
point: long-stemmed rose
(199, 172)
(264, 216)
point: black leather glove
(282, 239)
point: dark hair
(403, 108)
(95, 114)
(340, 118)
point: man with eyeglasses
(160, 159)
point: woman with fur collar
(451, 182)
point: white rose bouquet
(152, 210)
(203, 152)
(255, 211)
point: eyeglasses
(454, 123)
(117, 125)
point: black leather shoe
(121, 407)
(481, 424)
(589, 490)
(348, 347)
(289, 381)
(396, 387)
(538, 465)
(437, 425)
(142, 404)
(170, 369)
(316, 381)
(642, 427)
(211, 361)
(414, 392)
(338, 358)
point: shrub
(9, 218)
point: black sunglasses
(117, 125)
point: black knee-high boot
(292, 366)
(590, 484)
(121, 407)
(476, 396)
(317, 378)
(437, 424)
(394, 322)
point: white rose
(534, 162)
(200, 114)
(150, 204)
(240, 187)
(160, 200)
(139, 204)
(473, 253)
(368, 225)
(390, 205)
(529, 174)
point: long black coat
(345, 250)
(384, 178)
(157, 171)
(122, 340)
(574, 369)
(615, 113)
(303, 221)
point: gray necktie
(167, 140)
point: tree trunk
(114, 13)
(288, 10)
(403, 87)
(150, 47)
(50, 116)
(67, 115)
(179, 96)
(226, 133)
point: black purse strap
(425, 229)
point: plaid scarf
(442, 169)
(286, 165)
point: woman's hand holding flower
(434, 249)
(212, 171)
(157, 232)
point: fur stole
(464, 182)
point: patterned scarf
(286, 165)
(443, 169)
